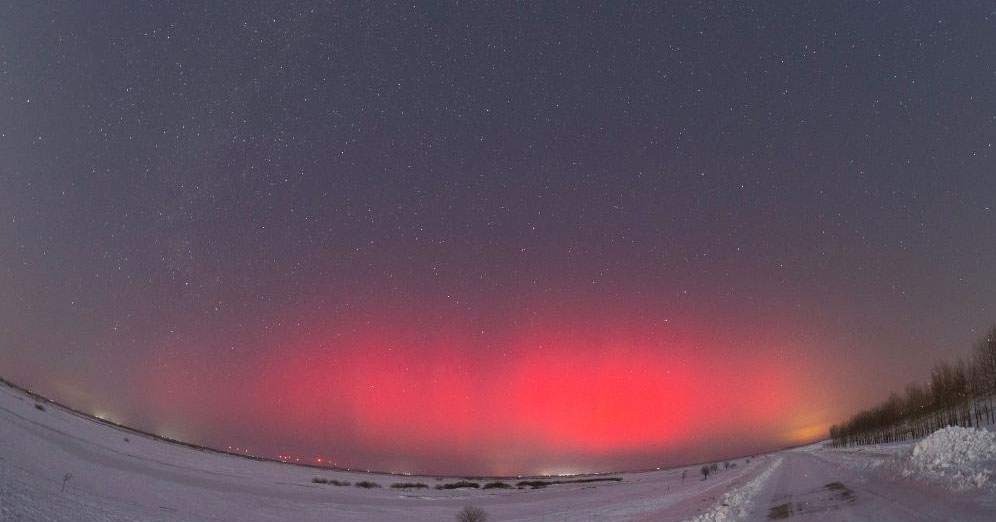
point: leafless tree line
(958, 394)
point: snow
(954, 446)
(147, 479)
(956, 456)
(738, 504)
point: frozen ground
(144, 479)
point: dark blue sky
(186, 186)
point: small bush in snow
(408, 485)
(460, 484)
(499, 484)
(367, 484)
(472, 514)
(39, 407)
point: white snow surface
(147, 479)
(738, 503)
(956, 456)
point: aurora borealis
(492, 238)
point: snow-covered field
(57, 465)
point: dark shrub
(585, 480)
(319, 480)
(460, 484)
(39, 407)
(367, 484)
(499, 484)
(537, 484)
(472, 514)
(408, 485)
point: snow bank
(736, 504)
(954, 455)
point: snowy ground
(144, 479)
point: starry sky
(489, 237)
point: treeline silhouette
(958, 394)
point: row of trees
(959, 393)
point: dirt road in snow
(821, 485)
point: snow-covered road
(817, 485)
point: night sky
(467, 238)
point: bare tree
(959, 393)
(984, 362)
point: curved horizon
(323, 464)
(586, 395)
(492, 238)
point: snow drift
(956, 456)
